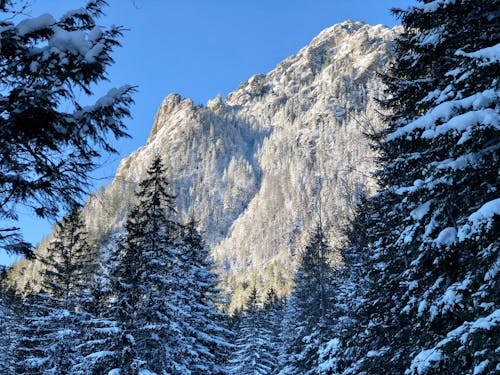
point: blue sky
(200, 48)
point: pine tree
(333, 353)
(99, 329)
(253, 354)
(431, 304)
(10, 314)
(206, 325)
(54, 323)
(147, 285)
(46, 152)
(306, 323)
(352, 287)
(273, 310)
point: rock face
(260, 168)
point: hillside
(259, 168)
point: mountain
(260, 168)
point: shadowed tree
(49, 141)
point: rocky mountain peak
(170, 106)
(260, 168)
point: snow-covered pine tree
(147, 285)
(99, 329)
(10, 319)
(340, 353)
(273, 310)
(207, 327)
(332, 353)
(54, 324)
(432, 307)
(46, 153)
(253, 354)
(306, 324)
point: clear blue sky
(200, 48)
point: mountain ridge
(259, 168)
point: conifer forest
(338, 215)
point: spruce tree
(339, 355)
(306, 324)
(147, 285)
(49, 141)
(10, 321)
(53, 325)
(273, 311)
(253, 354)
(431, 303)
(207, 326)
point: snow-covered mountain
(279, 155)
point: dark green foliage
(306, 325)
(144, 277)
(10, 320)
(429, 286)
(254, 353)
(164, 291)
(206, 326)
(55, 317)
(46, 153)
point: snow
(450, 299)
(452, 73)
(462, 332)
(332, 348)
(101, 354)
(95, 34)
(493, 271)
(424, 361)
(489, 54)
(445, 111)
(432, 6)
(94, 52)
(108, 330)
(431, 37)
(488, 322)
(464, 122)
(69, 41)
(479, 369)
(486, 212)
(409, 189)
(446, 237)
(419, 212)
(459, 163)
(146, 372)
(34, 24)
(111, 96)
(481, 217)
(422, 306)
(376, 353)
(62, 41)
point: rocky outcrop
(260, 168)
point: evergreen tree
(306, 323)
(273, 317)
(54, 322)
(431, 300)
(46, 152)
(99, 329)
(342, 321)
(339, 354)
(147, 285)
(206, 325)
(253, 354)
(10, 313)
